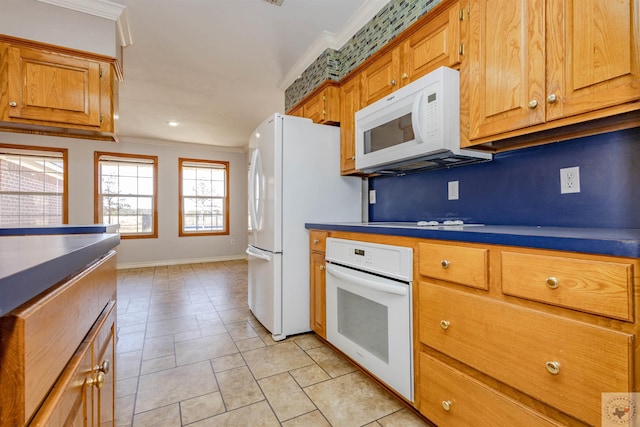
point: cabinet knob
(97, 381)
(353, 158)
(553, 367)
(104, 367)
(533, 104)
(404, 76)
(392, 82)
(552, 282)
(444, 324)
(445, 263)
(552, 98)
(13, 104)
(446, 405)
(316, 241)
(322, 267)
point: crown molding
(327, 39)
(104, 9)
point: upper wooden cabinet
(51, 90)
(424, 48)
(322, 105)
(534, 65)
(349, 104)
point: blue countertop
(602, 241)
(58, 229)
(29, 265)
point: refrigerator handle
(253, 253)
(253, 170)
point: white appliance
(415, 128)
(294, 177)
(369, 309)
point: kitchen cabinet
(321, 106)
(317, 282)
(52, 90)
(51, 346)
(349, 104)
(432, 42)
(538, 65)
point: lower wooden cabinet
(317, 292)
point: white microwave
(415, 128)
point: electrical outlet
(372, 197)
(232, 241)
(570, 180)
(453, 190)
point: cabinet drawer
(520, 347)
(451, 398)
(317, 240)
(598, 287)
(40, 337)
(459, 264)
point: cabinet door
(594, 64)
(318, 294)
(324, 107)
(380, 78)
(434, 45)
(104, 362)
(50, 87)
(506, 69)
(350, 103)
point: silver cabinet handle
(444, 324)
(445, 263)
(552, 98)
(552, 282)
(533, 104)
(553, 367)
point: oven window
(364, 322)
(389, 134)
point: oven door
(369, 318)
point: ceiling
(220, 67)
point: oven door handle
(369, 284)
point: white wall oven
(369, 308)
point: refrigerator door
(265, 186)
(265, 289)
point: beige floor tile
(241, 331)
(204, 348)
(309, 375)
(235, 316)
(238, 388)
(126, 387)
(312, 419)
(174, 385)
(250, 344)
(352, 400)
(171, 326)
(130, 342)
(285, 396)
(128, 364)
(403, 418)
(308, 341)
(159, 364)
(272, 360)
(201, 407)
(332, 362)
(256, 415)
(124, 410)
(225, 363)
(158, 347)
(167, 416)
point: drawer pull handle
(444, 324)
(316, 241)
(445, 263)
(552, 282)
(553, 367)
(104, 367)
(446, 405)
(98, 381)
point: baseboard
(180, 261)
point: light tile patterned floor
(190, 353)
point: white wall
(168, 248)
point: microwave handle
(415, 117)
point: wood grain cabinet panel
(562, 362)
(599, 287)
(459, 264)
(318, 310)
(452, 398)
(349, 105)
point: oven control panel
(387, 260)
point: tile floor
(190, 353)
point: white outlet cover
(453, 190)
(372, 197)
(570, 180)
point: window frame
(181, 232)
(65, 171)
(97, 199)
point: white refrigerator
(294, 178)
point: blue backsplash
(522, 187)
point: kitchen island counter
(29, 265)
(602, 241)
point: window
(33, 186)
(204, 197)
(126, 187)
